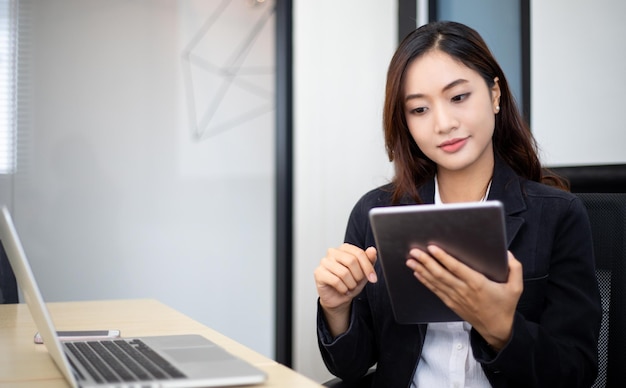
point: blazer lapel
(506, 187)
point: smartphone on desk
(82, 335)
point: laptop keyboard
(121, 361)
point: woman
(454, 134)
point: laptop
(159, 361)
(473, 232)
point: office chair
(607, 216)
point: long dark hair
(512, 140)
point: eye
(460, 97)
(419, 110)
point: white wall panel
(578, 55)
(341, 53)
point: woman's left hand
(487, 305)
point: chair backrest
(607, 215)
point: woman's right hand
(340, 277)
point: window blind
(8, 81)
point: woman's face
(450, 112)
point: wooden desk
(24, 364)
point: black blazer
(557, 323)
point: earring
(498, 108)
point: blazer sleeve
(557, 323)
(351, 354)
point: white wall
(578, 55)
(341, 53)
(116, 197)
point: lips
(453, 145)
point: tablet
(473, 232)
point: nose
(445, 121)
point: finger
(416, 262)
(448, 294)
(366, 260)
(455, 267)
(434, 262)
(346, 254)
(423, 275)
(433, 274)
(372, 254)
(326, 277)
(355, 260)
(344, 267)
(413, 261)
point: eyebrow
(445, 88)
